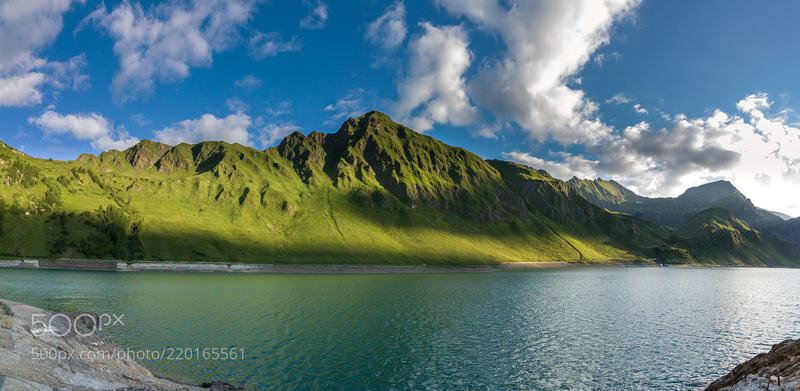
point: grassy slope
(716, 235)
(374, 192)
(606, 194)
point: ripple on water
(605, 328)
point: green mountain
(715, 235)
(675, 211)
(374, 192)
(607, 194)
(788, 230)
(783, 216)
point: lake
(577, 328)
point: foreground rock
(779, 369)
(34, 357)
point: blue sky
(657, 95)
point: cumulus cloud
(754, 103)
(317, 17)
(21, 89)
(750, 148)
(25, 27)
(90, 127)
(547, 43)
(232, 129)
(261, 45)
(639, 109)
(433, 89)
(163, 42)
(389, 30)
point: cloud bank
(757, 151)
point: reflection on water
(599, 328)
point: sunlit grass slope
(374, 192)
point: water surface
(587, 328)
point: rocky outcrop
(33, 355)
(779, 369)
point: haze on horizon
(658, 96)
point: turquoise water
(587, 328)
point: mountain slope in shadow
(373, 192)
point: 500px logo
(84, 324)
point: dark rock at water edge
(778, 369)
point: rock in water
(779, 368)
(34, 357)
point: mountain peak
(370, 120)
(145, 153)
(712, 191)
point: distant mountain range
(374, 192)
(709, 220)
(675, 211)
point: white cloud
(90, 127)
(232, 129)
(282, 108)
(753, 102)
(489, 131)
(68, 74)
(547, 43)
(433, 89)
(317, 18)
(639, 109)
(26, 26)
(248, 82)
(351, 105)
(569, 166)
(261, 45)
(618, 99)
(758, 152)
(602, 58)
(236, 105)
(389, 30)
(163, 42)
(21, 90)
(140, 119)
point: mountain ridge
(675, 211)
(373, 192)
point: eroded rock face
(780, 368)
(34, 356)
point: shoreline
(67, 353)
(265, 268)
